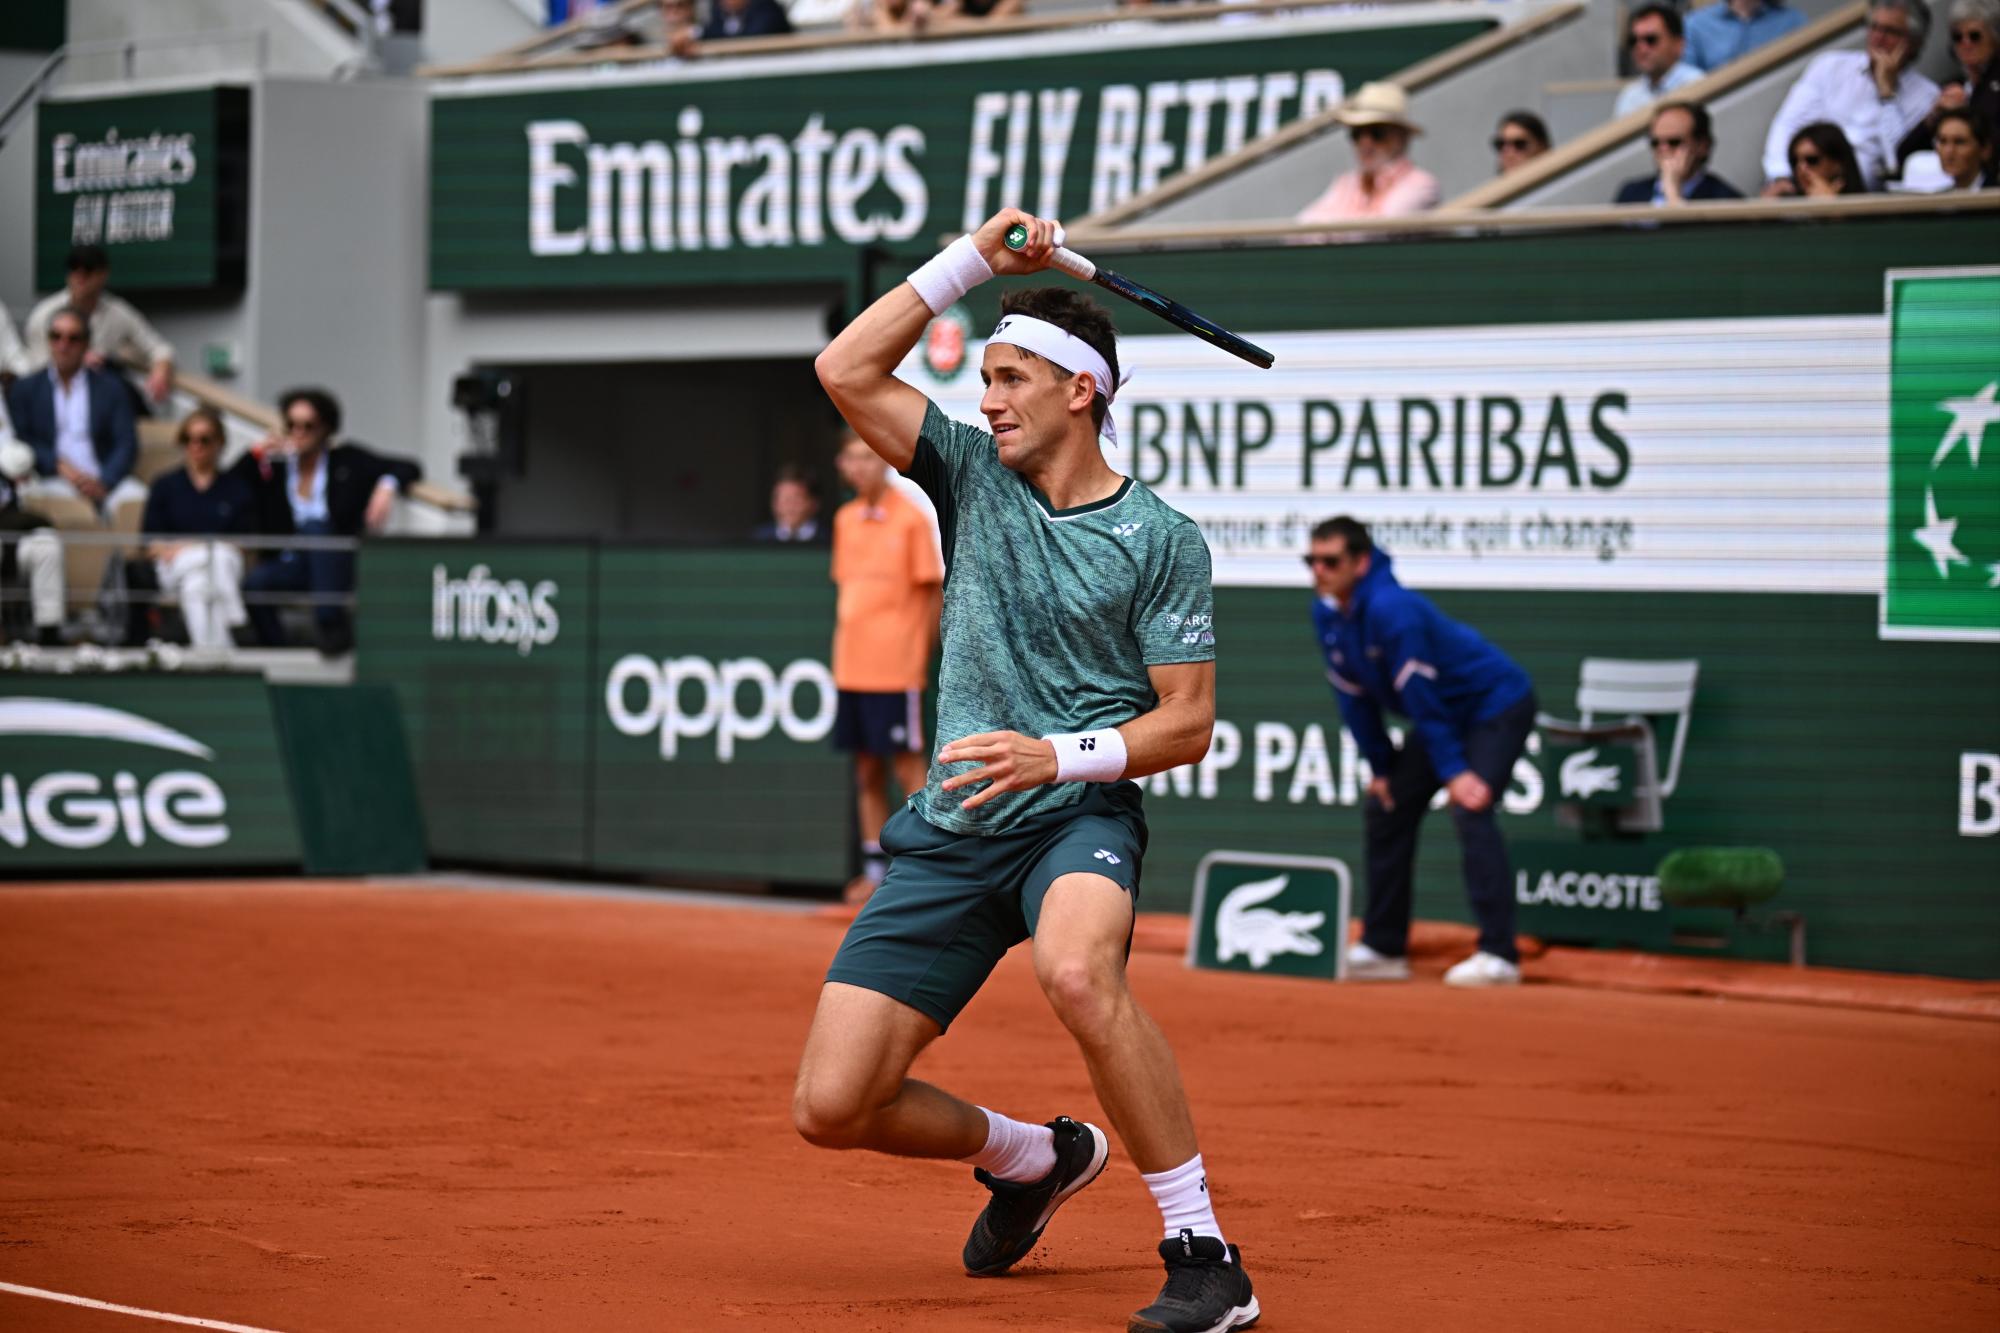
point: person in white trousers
(38, 553)
(188, 513)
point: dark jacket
(32, 405)
(352, 473)
(1984, 101)
(1639, 190)
(761, 18)
(1393, 650)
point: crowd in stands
(69, 454)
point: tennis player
(1079, 654)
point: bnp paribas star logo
(1943, 576)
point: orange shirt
(886, 565)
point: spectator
(13, 355)
(887, 567)
(1384, 182)
(1681, 141)
(1520, 138)
(745, 18)
(78, 419)
(37, 554)
(794, 510)
(1720, 33)
(199, 500)
(118, 333)
(891, 17)
(1964, 147)
(679, 27)
(1975, 36)
(949, 11)
(304, 483)
(1657, 43)
(1822, 162)
(1471, 710)
(1872, 94)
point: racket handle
(1069, 261)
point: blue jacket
(32, 404)
(1393, 650)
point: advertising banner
(98, 773)
(782, 170)
(161, 181)
(1281, 914)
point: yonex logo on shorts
(1102, 855)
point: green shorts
(952, 904)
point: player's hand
(1378, 792)
(1044, 235)
(1007, 760)
(1470, 791)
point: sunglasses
(1975, 35)
(301, 423)
(1502, 144)
(66, 337)
(1369, 132)
(1647, 38)
(1811, 160)
(1323, 561)
(1660, 143)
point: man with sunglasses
(1384, 182)
(1389, 650)
(1656, 42)
(1873, 95)
(1681, 141)
(117, 332)
(78, 420)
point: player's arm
(1176, 731)
(858, 368)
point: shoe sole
(1099, 1155)
(1240, 1317)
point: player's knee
(1084, 994)
(826, 1118)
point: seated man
(1384, 182)
(78, 421)
(118, 333)
(37, 553)
(1681, 141)
(306, 484)
(1873, 95)
(1720, 33)
(1657, 44)
(199, 500)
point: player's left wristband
(951, 273)
(1089, 756)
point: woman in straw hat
(1384, 182)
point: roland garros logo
(79, 811)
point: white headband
(1059, 347)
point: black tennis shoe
(1207, 1290)
(1017, 1213)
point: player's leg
(853, 1089)
(1392, 831)
(1491, 750)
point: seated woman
(1520, 138)
(194, 501)
(1823, 163)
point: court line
(89, 1304)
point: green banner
(713, 709)
(1943, 579)
(99, 773)
(488, 648)
(161, 181)
(1282, 914)
(749, 173)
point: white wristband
(1089, 756)
(951, 273)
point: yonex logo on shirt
(1101, 855)
(1126, 529)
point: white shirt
(1837, 86)
(73, 444)
(1643, 91)
(310, 507)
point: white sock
(1182, 1194)
(1015, 1151)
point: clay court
(300, 1106)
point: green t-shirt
(1051, 616)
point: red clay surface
(351, 1108)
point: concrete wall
(299, 40)
(1457, 113)
(460, 30)
(17, 189)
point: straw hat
(1379, 104)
